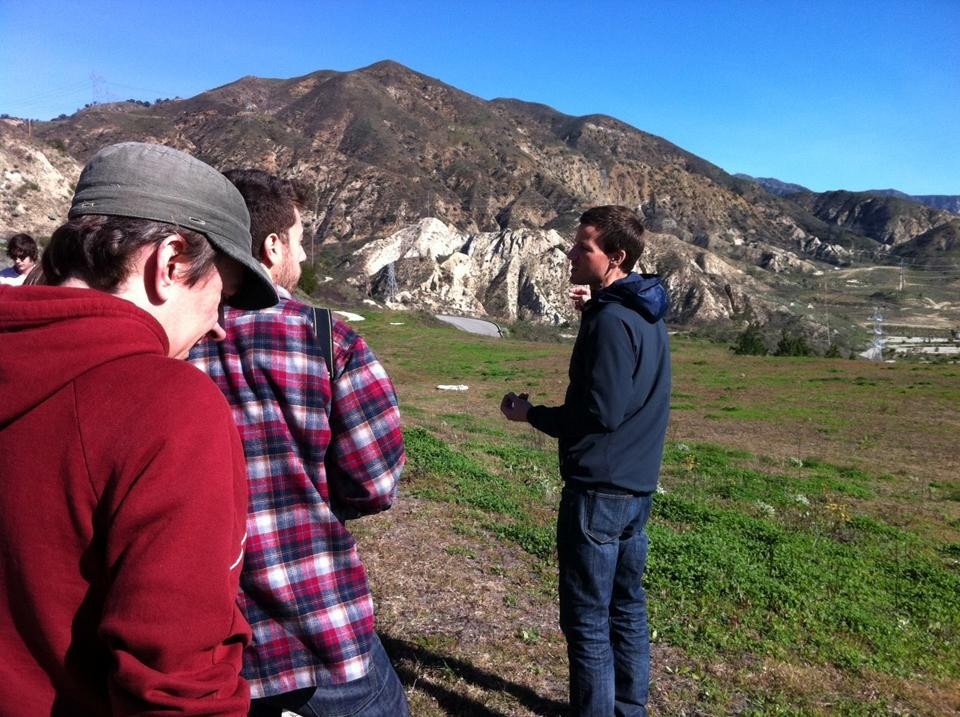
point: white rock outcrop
(523, 274)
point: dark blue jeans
(602, 550)
(377, 694)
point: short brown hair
(270, 200)
(620, 228)
(99, 249)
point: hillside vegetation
(805, 553)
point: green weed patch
(743, 560)
(512, 505)
(778, 563)
(471, 424)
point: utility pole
(875, 352)
(826, 309)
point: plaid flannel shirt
(318, 452)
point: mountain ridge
(944, 202)
(383, 147)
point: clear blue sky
(830, 94)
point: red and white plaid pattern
(318, 452)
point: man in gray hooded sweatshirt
(611, 430)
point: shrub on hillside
(308, 279)
(750, 342)
(792, 344)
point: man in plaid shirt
(320, 449)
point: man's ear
(168, 261)
(271, 254)
(618, 257)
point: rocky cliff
(36, 183)
(521, 274)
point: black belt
(582, 485)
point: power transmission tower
(875, 352)
(98, 89)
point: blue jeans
(379, 693)
(602, 551)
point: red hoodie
(122, 513)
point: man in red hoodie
(122, 480)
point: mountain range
(944, 202)
(384, 148)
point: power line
(95, 89)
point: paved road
(474, 326)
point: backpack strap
(322, 322)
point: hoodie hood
(51, 335)
(644, 293)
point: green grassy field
(805, 547)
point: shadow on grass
(457, 704)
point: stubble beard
(288, 277)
